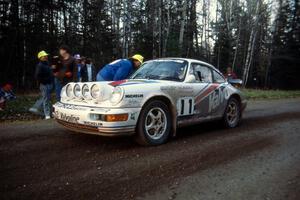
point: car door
(203, 87)
(187, 106)
(202, 105)
(217, 99)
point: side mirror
(234, 82)
(190, 78)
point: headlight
(77, 90)
(117, 95)
(63, 93)
(85, 91)
(69, 90)
(95, 91)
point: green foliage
(18, 109)
(270, 94)
(284, 69)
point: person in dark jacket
(56, 66)
(120, 69)
(69, 65)
(88, 71)
(80, 62)
(44, 76)
(66, 71)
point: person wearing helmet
(120, 69)
(44, 76)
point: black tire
(143, 136)
(228, 119)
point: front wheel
(232, 115)
(154, 124)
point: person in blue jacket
(120, 69)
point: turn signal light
(116, 117)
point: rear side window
(202, 73)
(218, 78)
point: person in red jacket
(230, 74)
(6, 94)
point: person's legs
(46, 95)
(58, 87)
(37, 105)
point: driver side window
(202, 73)
(218, 78)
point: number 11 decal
(185, 106)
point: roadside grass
(17, 109)
(270, 94)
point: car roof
(190, 60)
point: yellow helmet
(138, 57)
(41, 54)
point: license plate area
(67, 117)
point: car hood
(135, 82)
(135, 92)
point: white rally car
(162, 95)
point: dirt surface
(258, 160)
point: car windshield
(173, 70)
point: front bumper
(78, 119)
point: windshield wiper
(170, 78)
(152, 77)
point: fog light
(96, 117)
(116, 117)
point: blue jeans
(99, 77)
(44, 101)
(58, 87)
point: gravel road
(258, 160)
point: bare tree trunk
(194, 27)
(237, 45)
(126, 28)
(218, 51)
(251, 45)
(204, 26)
(270, 53)
(65, 21)
(115, 15)
(182, 27)
(249, 56)
(118, 20)
(24, 50)
(84, 29)
(167, 28)
(155, 29)
(207, 29)
(160, 28)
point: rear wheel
(154, 124)
(232, 115)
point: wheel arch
(171, 107)
(238, 98)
